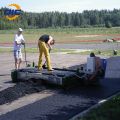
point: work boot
(40, 69)
(50, 69)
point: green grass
(61, 34)
(115, 30)
(67, 51)
(103, 52)
(109, 110)
(5, 50)
(35, 50)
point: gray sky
(62, 5)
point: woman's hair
(92, 54)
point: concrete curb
(94, 106)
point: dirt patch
(88, 35)
(59, 42)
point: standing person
(18, 42)
(44, 44)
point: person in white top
(18, 42)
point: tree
(108, 24)
(87, 18)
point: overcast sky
(62, 5)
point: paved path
(100, 46)
(57, 104)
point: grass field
(110, 110)
(66, 51)
(63, 35)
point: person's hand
(18, 42)
(23, 43)
(49, 50)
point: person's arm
(38, 46)
(49, 41)
(49, 46)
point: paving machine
(61, 77)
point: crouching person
(99, 71)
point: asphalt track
(92, 46)
(62, 105)
(65, 104)
(99, 46)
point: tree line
(88, 18)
